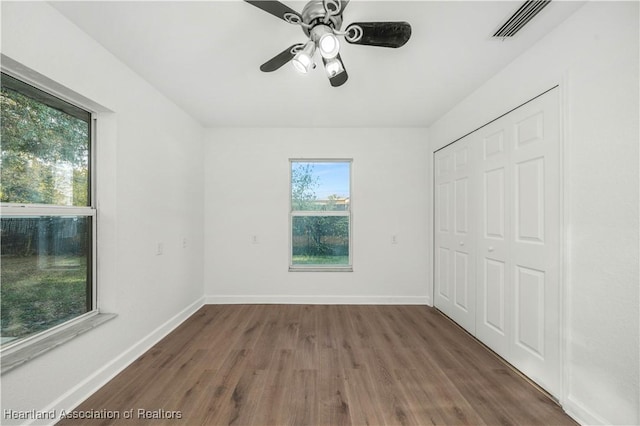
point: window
(320, 217)
(48, 219)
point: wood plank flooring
(319, 365)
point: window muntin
(320, 217)
(48, 222)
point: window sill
(15, 357)
(320, 269)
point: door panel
(535, 347)
(494, 309)
(529, 203)
(461, 207)
(494, 203)
(493, 326)
(493, 144)
(443, 273)
(461, 281)
(443, 165)
(454, 286)
(444, 189)
(529, 314)
(529, 129)
(442, 235)
(462, 158)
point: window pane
(320, 240)
(320, 186)
(46, 273)
(45, 151)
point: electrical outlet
(254, 239)
(184, 243)
(160, 249)
(394, 239)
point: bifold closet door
(535, 241)
(518, 245)
(454, 245)
(496, 237)
(493, 290)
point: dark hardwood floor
(319, 365)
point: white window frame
(24, 349)
(301, 213)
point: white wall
(150, 183)
(594, 58)
(247, 193)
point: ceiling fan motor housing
(314, 14)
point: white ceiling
(205, 56)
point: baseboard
(582, 414)
(91, 384)
(316, 300)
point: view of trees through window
(46, 254)
(320, 209)
(45, 153)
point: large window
(320, 217)
(48, 219)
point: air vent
(524, 14)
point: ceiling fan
(321, 21)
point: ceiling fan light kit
(326, 40)
(321, 21)
(333, 67)
(303, 60)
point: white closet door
(493, 263)
(535, 240)
(443, 199)
(518, 246)
(497, 228)
(454, 245)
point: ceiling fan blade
(280, 59)
(340, 78)
(384, 34)
(275, 8)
